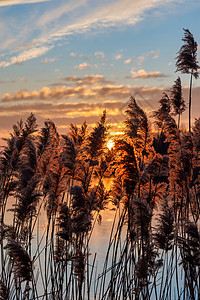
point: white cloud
(119, 13)
(77, 20)
(59, 12)
(26, 55)
(99, 54)
(83, 66)
(144, 74)
(16, 2)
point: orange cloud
(127, 61)
(88, 88)
(88, 79)
(77, 112)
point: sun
(110, 144)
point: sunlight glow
(110, 144)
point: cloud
(88, 80)
(58, 12)
(48, 60)
(71, 18)
(99, 54)
(63, 114)
(62, 108)
(74, 55)
(139, 60)
(83, 66)
(8, 81)
(16, 2)
(143, 74)
(154, 53)
(118, 13)
(127, 61)
(26, 55)
(94, 92)
(118, 57)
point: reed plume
(81, 215)
(165, 229)
(64, 223)
(22, 265)
(97, 138)
(4, 291)
(28, 198)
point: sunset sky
(69, 60)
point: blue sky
(68, 60)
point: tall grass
(153, 251)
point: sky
(69, 60)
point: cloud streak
(142, 74)
(58, 12)
(48, 60)
(82, 18)
(26, 55)
(17, 2)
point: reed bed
(57, 181)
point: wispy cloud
(99, 54)
(115, 14)
(139, 60)
(26, 55)
(74, 55)
(118, 57)
(154, 53)
(48, 60)
(8, 81)
(16, 2)
(58, 12)
(76, 17)
(144, 74)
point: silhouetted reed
(165, 228)
(22, 265)
(4, 292)
(154, 196)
